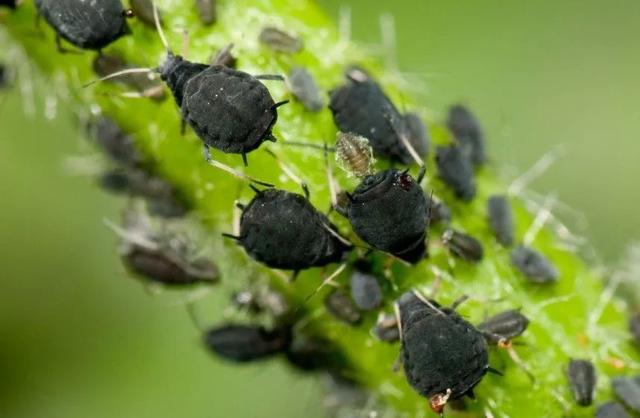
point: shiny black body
(283, 230)
(229, 110)
(456, 170)
(463, 246)
(505, 325)
(365, 289)
(627, 389)
(245, 343)
(466, 129)
(582, 380)
(500, 219)
(533, 265)
(361, 107)
(85, 24)
(388, 210)
(341, 306)
(441, 351)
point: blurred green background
(78, 338)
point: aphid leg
(401, 133)
(421, 173)
(277, 105)
(294, 276)
(427, 302)
(183, 130)
(236, 173)
(61, 49)
(327, 281)
(494, 371)
(396, 312)
(459, 302)
(274, 77)
(289, 173)
(508, 346)
(244, 159)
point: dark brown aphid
(354, 154)
(456, 170)
(280, 41)
(207, 9)
(504, 326)
(246, 343)
(500, 219)
(612, 410)
(462, 245)
(104, 65)
(582, 379)
(341, 306)
(386, 328)
(628, 390)
(634, 327)
(143, 10)
(533, 265)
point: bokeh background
(78, 338)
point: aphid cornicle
(305, 89)
(500, 219)
(456, 170)
(280, 41)
(444, 356)
(85, 24)
(283, 230)
(504, 326)
(582, 380)
(612, 410)
(342, 307)
(627, 389)
(465, 128)
(388, 210)
(365, 289)
(462, 245)
(533, 265)
(361, 107)
(245, 343)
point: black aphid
(582, 380)
(627, 389)
(354, 154)
(12, 4)
(612, 410)
(143, 10)
(207, 9)
(465, 128)
(388, 210)
(456, 170)
(386, 328)
(116, 143)
(444, 356)
(341, 306)
(500, 219)
(145, 86)
(162, 198)
(365, 289)
(504, 326)
(462, 245)
(305, 89)
(634, 327)
(361, 107)
(85, 24)
(283, 230)
(245, 343)
(280, 41)
(533, 265)
(417, 133)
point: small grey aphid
(628, 390)
(456, 170)
(342, 307)
(386, 328)
(245, 343)
(85, 24)
(119, 146)
(500, 219)
(611, 410)
(207, 9)
(283, 230)
(504, 326)
(279, 40)
(143, 11)
(533, 265)
(462, 245)
(305, 89)
(365, 290)
(582, 379)
(634, 327)
(467, 131)
(444, 356)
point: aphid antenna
(327, 281)
(233, 172)
(396, 312)
(131, 237)
(508, 346)
(427, 302)
(272, 77)
(289, 173)
(119, 74)
(540, 220)
(185, 43)
(156, 21)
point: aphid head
(437, 402)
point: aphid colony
(233, 112)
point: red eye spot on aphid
(405, 181)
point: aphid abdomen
(177, 72)
(243, 343)
(229, 110)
